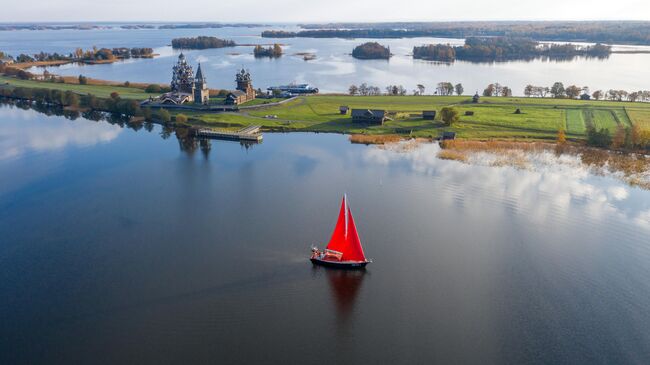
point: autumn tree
(597, 95)
(490, 90)
(561, 136)
(618, 142)
(572, 92)
(181, 119)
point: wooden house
(368, 116)
(446, 136)
(429, 115)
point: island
(201, 42)
(90, 56)
(371, 51)
(274, 51)
(490, 49)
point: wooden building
(368, 116)
(446, 136)
(429, 115)
(244, 92)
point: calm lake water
(118, 246)
(334, 70)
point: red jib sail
(345, 238)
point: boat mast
(345, 202)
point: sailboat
(344, 249)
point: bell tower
(201, 91)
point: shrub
(599, 138)
(181, 118)
(153, 89)
(449, 115)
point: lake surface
(334, 69)
(118, 246)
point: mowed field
(492, 118)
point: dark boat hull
(346, 265)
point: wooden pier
(248, 134)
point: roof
(199, 74)
(448, 135)
(368, 113)
(237, 93)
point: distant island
(371, 51)
(48, 26)
(201, 42)
(274, 51)
(90, 56)
(482, 49)
(619, 32)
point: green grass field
(575, 122)
(640, 116)
(102, 91)
(493, 118)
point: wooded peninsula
(611, 32)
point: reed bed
(375, 138)
(633, 168)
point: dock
(248, 134)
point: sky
(320, 10)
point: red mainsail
(345, 238)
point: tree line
(559, 91)
(201, 42)
(113, 104)
(632, 138)
(443, 88)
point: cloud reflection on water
(32, 135)
(550, 189)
